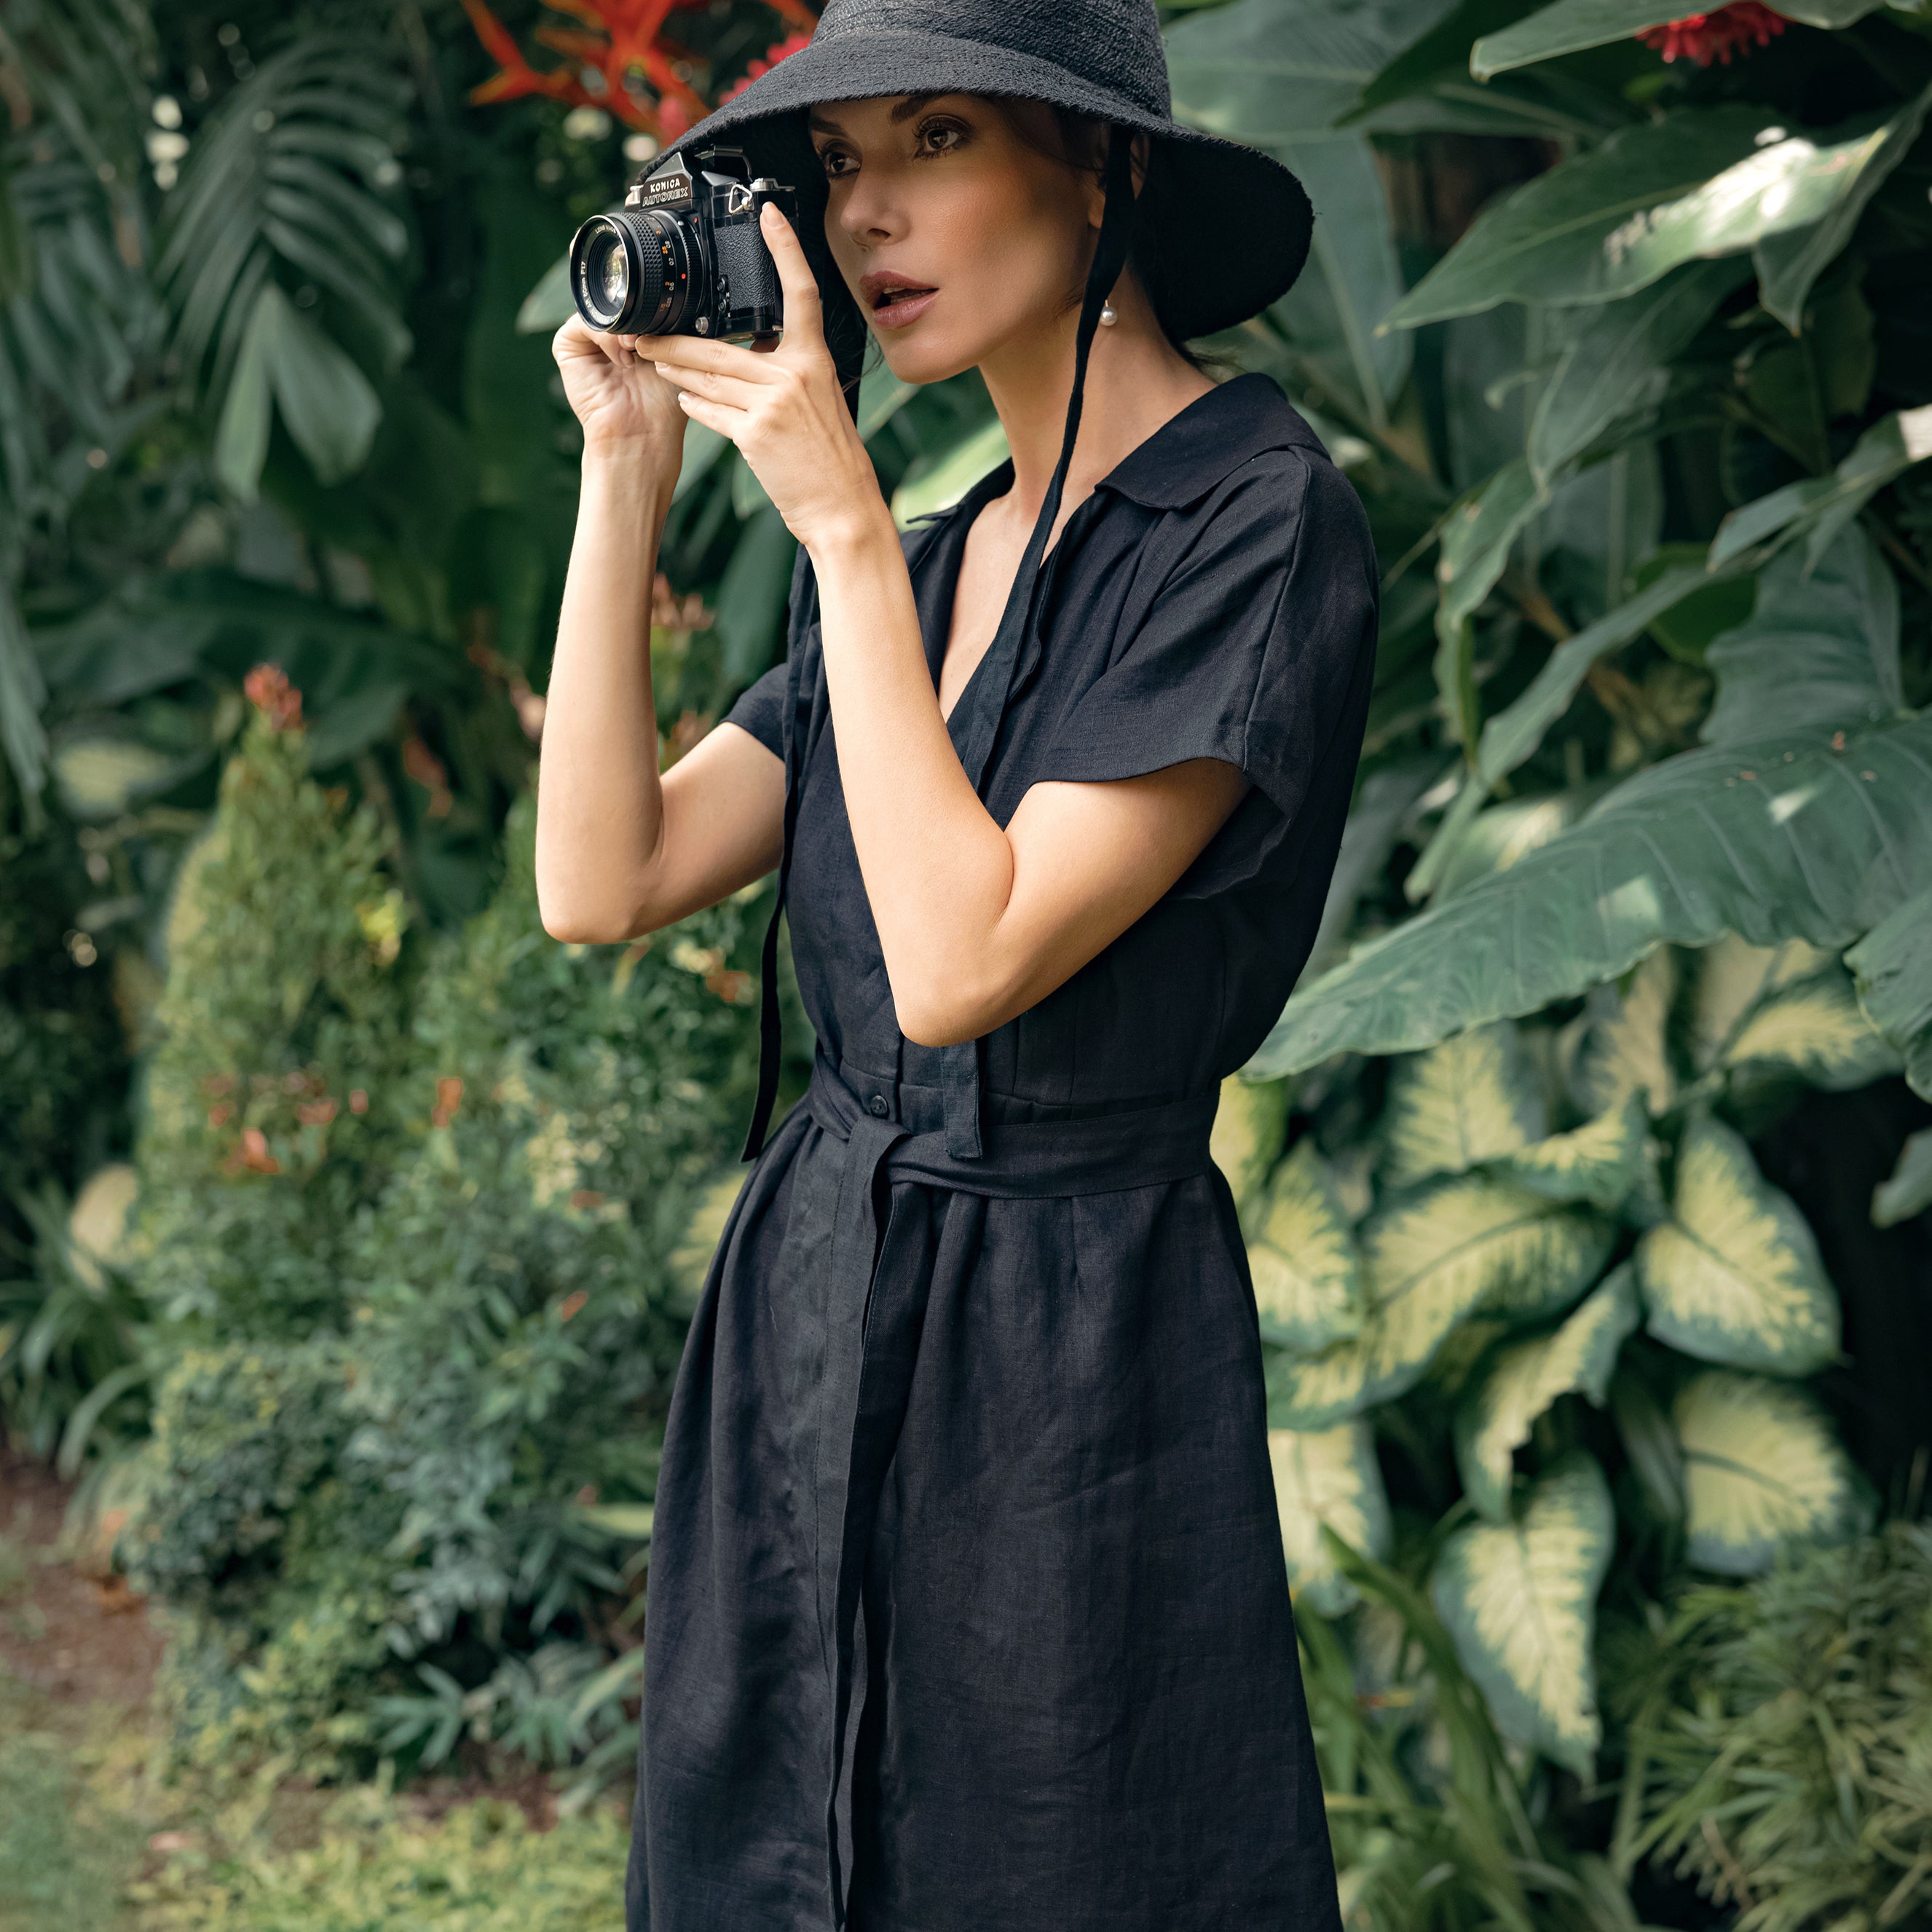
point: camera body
(684, 255)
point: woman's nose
(870, 214)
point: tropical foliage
(350, 1223)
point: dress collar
(1184, 459)
(1191, 452)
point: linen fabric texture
(968, 1610)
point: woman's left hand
(783, 408)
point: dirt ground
(72, 1631)
(87, 1647)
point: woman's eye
(837, 161)
(941, 137)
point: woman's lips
(895, 299)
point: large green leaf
(1520, 1601)
(1566, 27)
(751, 594)
(1476, 541)
(1789, 1008)
(1328, 1476)
(1598, 1163)
(1616, 364)
(1624, 1051)
(1453, 1248)
(1734, 1275)
(1893, 966)
(1269, 71)
(951, 475)
(1523, 1378)
(1807, 834)
(1701, 182)
(1352, 279)
(1789, 262)
(1249, 1124)
(1306, 1272)
(293, 176)
(1819, 648)
(1469, 1100)
(1762, 1468)
(1819, 507)
(1909, 1191)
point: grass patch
(64, 1857)
(481, 1867)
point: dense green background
(351, 1223)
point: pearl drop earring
(1108, 317)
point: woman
(967, 1608)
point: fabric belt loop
(960, 1064)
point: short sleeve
(759, 708)
(1258, 647)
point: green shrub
(413, 1474)
(1782, 1752)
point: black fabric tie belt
(875, 1305)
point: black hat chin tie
(960, 1064)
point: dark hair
(1083, 145)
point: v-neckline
(945, 584)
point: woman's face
(956, 234)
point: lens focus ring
(630, 272)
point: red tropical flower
(268, 688)
(1709, 37)
(617, 59)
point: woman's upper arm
(721, 827)
(1089, 859)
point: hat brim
(1247, 218)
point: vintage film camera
(684, 255)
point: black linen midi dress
(968, 1610)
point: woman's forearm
(600, 817)
(938, 871)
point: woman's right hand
(618, 397)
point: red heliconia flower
(1709, 37)
(268, 688)
(624, 53)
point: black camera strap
(960, 1064)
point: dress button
(878, 1104)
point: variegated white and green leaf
(1451, 1248)
(1245, 1141)
(1762, 1465)
(1790, 1007)
(1817, 1031)
(1330, 1476)
(1307, 1273)
(1599, 1161)
(1520, 1601)
(1625, 1047)
(690, 1261)
(1909, 1192)
(1470, 1100)
(1525, 1377)
(1734, 1275)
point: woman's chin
(915, 356)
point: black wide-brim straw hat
(1231, 225)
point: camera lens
(617, 277)
(631, 273)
